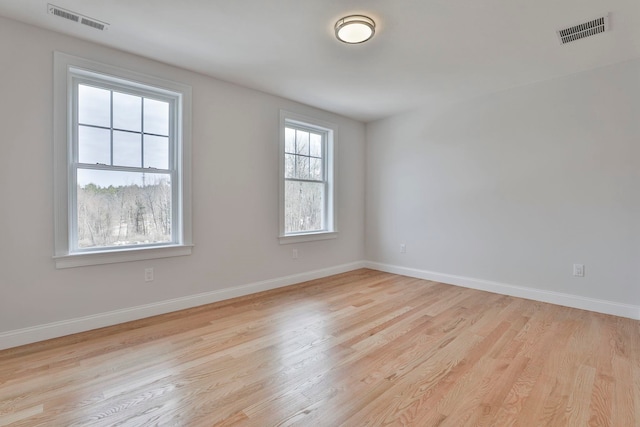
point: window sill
(116, 256)
(307, 237)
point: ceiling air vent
(94, 24)
(76, 17)
(585, 29)
(55, 10)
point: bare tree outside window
(124, 215)
(124, 191)
(305, 185)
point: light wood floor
(357, 349)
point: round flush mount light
(354, 29)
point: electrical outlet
(403, 248)
(578, 270)
(148, 274)
(294, 254)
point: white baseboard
(82, 324)
(567, 300)
(66, 327)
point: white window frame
(68, 70)
(330, 222)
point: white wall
(235, 192)
(515, 187)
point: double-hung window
(121, 191)
(307, 202)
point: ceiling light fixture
(354, 29)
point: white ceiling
(424, 52)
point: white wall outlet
(578, 270)
(403, 248)
(148, 274)
(294, 254)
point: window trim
(65, 68)
(330, 213)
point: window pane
(289, 140)
(289, 166)
(316, 145)
(127, 112)
(94, 145)
(94, 106)
(302, 167)
(315, 169)
(156, 152)
(302, 142)
(156, 117)
(127, 149)
(304, 204)
(122, 208)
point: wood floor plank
(363, 348)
